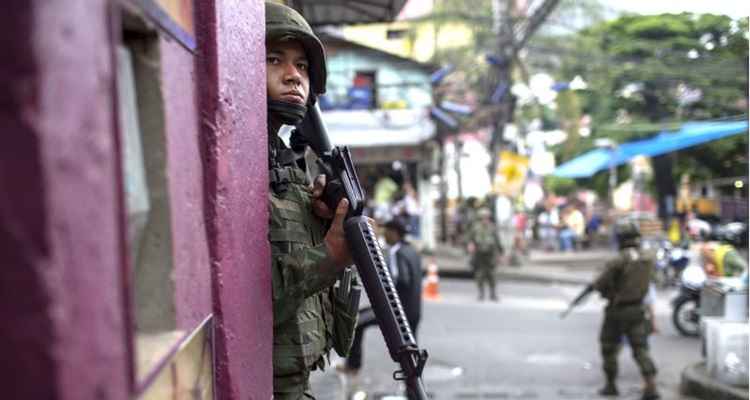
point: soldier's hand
(320, 208)
(335, 240)
(471, 247)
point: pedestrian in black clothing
(405, 266)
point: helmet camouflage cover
(284, 23)
(627, 232)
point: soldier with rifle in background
(625, 283)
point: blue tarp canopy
(691, 134)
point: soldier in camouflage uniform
(624, 283)
(485, 249)
(311, 315)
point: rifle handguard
(389, 312)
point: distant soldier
(485, 249)
(467, 219)
(625, 283)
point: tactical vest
(636, 270)
(484, 239)
(300, 342)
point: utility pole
(513, 34)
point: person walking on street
(485, 250)
(625, 283)
(310, 315)
(405, 266)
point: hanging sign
(510, 174)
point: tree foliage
(648, 73)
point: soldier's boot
(649, 389)
(493, 296)
(609, 389)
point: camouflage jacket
(302, 273)
(626, 278)
(486, 240)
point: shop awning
(345, 12)
(691, 134)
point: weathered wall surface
(64, 288)
(61, 292)
(192, 273)
(231, 44)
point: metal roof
(346, 12)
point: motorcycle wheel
(686, 316)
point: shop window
(392, 34)
(363, 92)
(163, 353)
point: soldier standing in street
(485, 250)
(625, 283)
(310, 314)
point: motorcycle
(686, 305)
(670, 262)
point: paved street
(518, 348)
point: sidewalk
(577, 268)
(696, 382)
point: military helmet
(627, 233)
(284, 23)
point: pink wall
(231, 44)
(62, 237)
(192, 271)
(61, 290)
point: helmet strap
(286, 112)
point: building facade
(378, 104)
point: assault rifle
(342, 181)
(581, 296)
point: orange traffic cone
(431, 289)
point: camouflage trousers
(294, 387)
(626, 322)
(484, 273)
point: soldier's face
(287, 72)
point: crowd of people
(570, 226)
(394, 197)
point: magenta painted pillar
(232, 87)
(61, 294)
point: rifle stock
(342, 181)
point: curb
(517, 276)
(696, 382)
